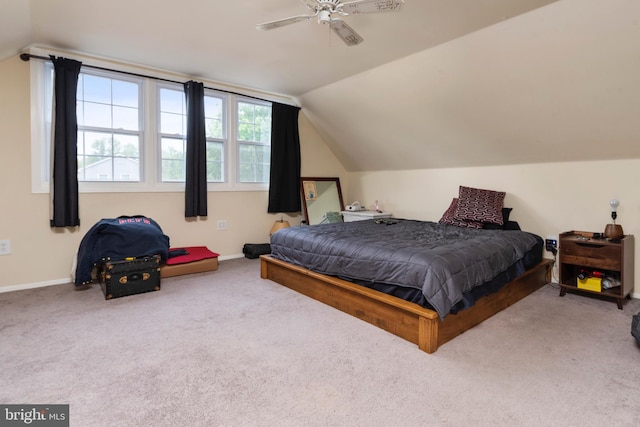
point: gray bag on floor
(254, 250)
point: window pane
(262, 173)
(173, 148)
(80, 88)
(126, 169)
(125, 118)
(214, 151)
(247, 173)
(263, 154)
(96, 115)
(213, 128)
(172, 101)
(98, 143)
(247, 153)
(126, 146)
(97, 89)
(173, 159)
(215, 163)
(245, 132)
(254, 163)
(172, 124)
(213, 114)
(80, 111)
(254, 122)
(125, 94)
(245, 112)
(97, 169)
(173, 170)
(264, 132)
(214, 172)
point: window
(132, 134)
(173, 134)
(109, 128)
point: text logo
(34, 415)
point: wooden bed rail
(407, 320)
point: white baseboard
(25, 286)
(226, 257)
(35, 285)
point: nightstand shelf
(579, 252)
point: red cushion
(195, 253)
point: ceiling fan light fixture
(324, 17)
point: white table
(350, 216)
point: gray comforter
(442, 261)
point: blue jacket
(117, 239)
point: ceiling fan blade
(311, 4)
(282, 22)
(371, 6)
(345, 32)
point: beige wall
(41, 255)
(547, 199)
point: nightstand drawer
(591, 254)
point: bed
(423, 281)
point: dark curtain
(65, 139)
(284, 188)
(196, 168)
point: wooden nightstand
(580, 253)
(349, 216)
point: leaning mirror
(321, 200)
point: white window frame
(150, 179)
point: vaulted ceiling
(442, 83)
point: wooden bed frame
(407, 320)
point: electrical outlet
(5, 247)
(222, 224)
(551, 244)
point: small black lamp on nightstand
(614, 231)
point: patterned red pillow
(476, 204)
(448, 219)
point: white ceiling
(443, 83)
(560, 83)
(217, 40)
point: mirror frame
(303, 197)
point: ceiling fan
(330, 12)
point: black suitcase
(129, 277)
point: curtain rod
(27, 56)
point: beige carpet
(230, 349)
